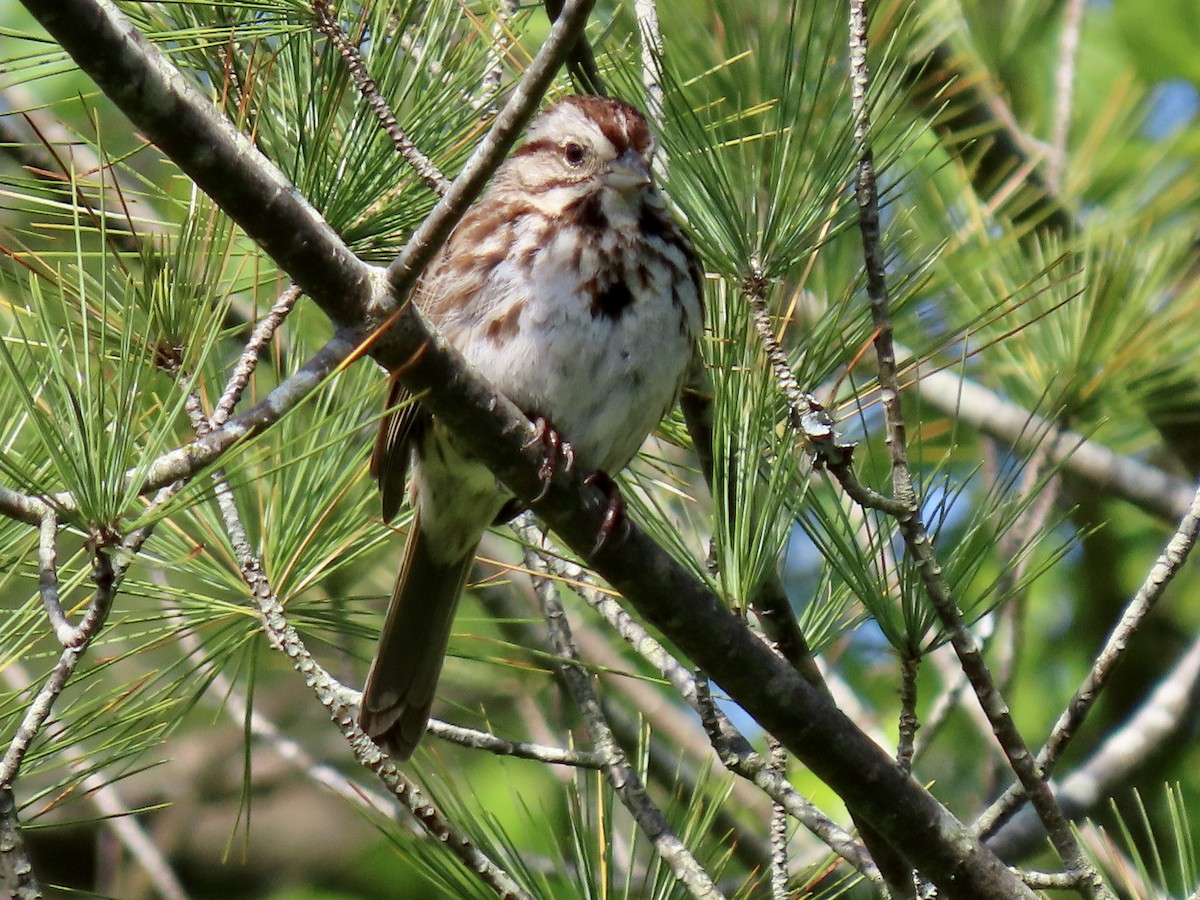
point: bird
(571, 287)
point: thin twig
(39, 710)
(481, 740)
(339, 703)
(327, 24)
(1164, 570)
(104, 795)
(236, 704)
(732, 748)
(1047, 881)
(779, 828)
(48, 584)
(248, 361)
(1163, 720)
(493, 75)
(911, 526)
(16, 868)
(337, 699)
(184, 462)
(945, 661)
(621, 775)
(1064, 93)
(867, 195)
(770, 601)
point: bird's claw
(554, 448)
(614, 510)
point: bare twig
(481, 740)
(184, 462)
(1167, 714)
(107, 799)
(732, 748)
(16, 869)
(624, 779)
(779, 829)
(64, 631)
(1168, 564)
(327, 24)
(1064, 84)
(639, 717)
(339, 702)
(39, 710)
(1047, 881)
(911, 526)
(248, 361)
(493, 75)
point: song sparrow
(572, 289)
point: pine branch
(1167, 717)
(910, 523)
(1169, 562)
(1154, 490)
(494, 430)
(625, 781)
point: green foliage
(125, 297)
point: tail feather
(403, 679)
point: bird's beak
(628, 172)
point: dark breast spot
(506, 325)
(612, 301)
(651, 221)
(587, 212)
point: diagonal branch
(731, 746)
(1165, 568)
(909, 520)
(327, 24)
(284, 638)
(1166, 718)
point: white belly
(603, 381)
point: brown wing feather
(399, 429)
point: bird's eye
(574, 154)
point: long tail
(402, 681)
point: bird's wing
(399, 431)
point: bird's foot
(614, 510)
(554, 448)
